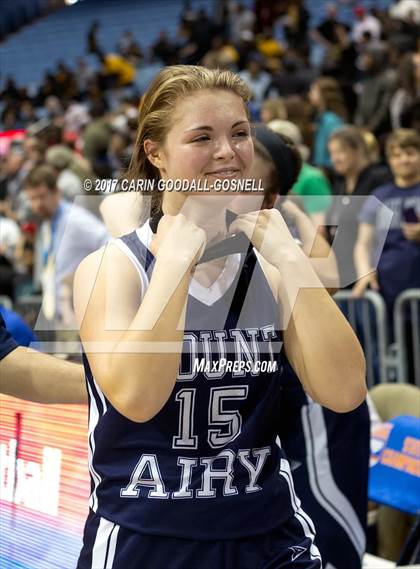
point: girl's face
(253, 201)
(209, 140)
(344, 159)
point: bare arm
(319, 342)
(134, 347)
(362, 255)
(315, 247)
(37, 377)
(323, 349)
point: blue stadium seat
(61, 35)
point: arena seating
(35, 49)
(62, 35)
(14, 15)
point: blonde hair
(157, 106)
(372, 145)
(289, 129)
(276, 107)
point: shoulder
(90, 263)
(377, 176)
(331, 119)
(80, 220)
(107, 256)
(313, 174)
(80, 215)
(311, 181)
(105, 271)
(384, 191)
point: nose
(223, 149)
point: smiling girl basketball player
(184, 464)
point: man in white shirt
(365, 23)
(67, 234)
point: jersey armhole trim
(140, 270)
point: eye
(241, 133)
(202, 138)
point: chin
(217, 200)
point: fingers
(250, 224)
(251, 219)
(291, 207)
(374, 283)
(411, 231)
(238, 226)
(360, 287)
(358, 290)
(176, 233)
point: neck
(406, 182)
(53, 212)
(204, 212)
(213, 223)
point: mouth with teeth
(226, 173)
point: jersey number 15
(226, 423)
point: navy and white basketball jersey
(329, 458)
(207, 466)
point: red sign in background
(44, 484)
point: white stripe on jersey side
(321, 479)
(140, 269)
(101, 397)
(112, 546)
(296, 501)
(93, 421)
(329, 566)
(304, 520)
(103, 552)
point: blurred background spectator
(354, 176)
(312, 186)
(376, 89)
(67, 233)
(328, 103)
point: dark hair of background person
(352, 137)
(41, 175)
(285, 161)
(332, 96)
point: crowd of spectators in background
(337, 91)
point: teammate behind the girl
(184, 464)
